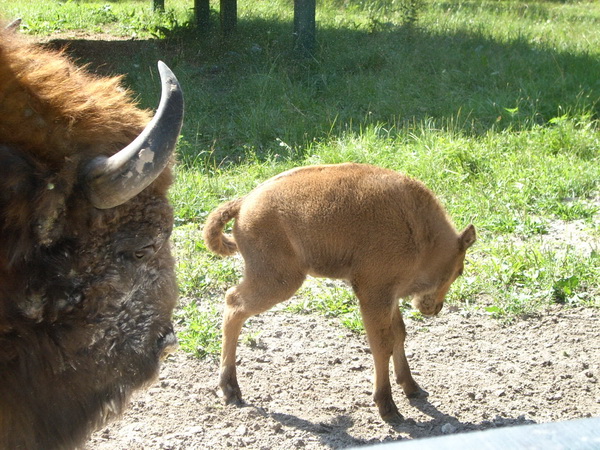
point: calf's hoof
(417, 393)
(394, 419)
(413, 390)
(389, 412)
(231, 394)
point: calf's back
(340, 220)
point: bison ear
(17, 190)
(31, 203)
(467, 238)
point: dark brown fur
(86, 295)
(382, 231)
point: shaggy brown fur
(86, 295)
(35, 84)
(382, 231)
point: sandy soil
(307, 384)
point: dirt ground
(307, 384)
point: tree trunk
(202, 11)
(158, 5)
(228, 15)
(304, 26)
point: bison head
(87, 282)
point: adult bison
(87, 283)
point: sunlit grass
(132, 18)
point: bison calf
(382, 231)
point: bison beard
(87, 285)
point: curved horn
(111, 181)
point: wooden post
(202, 12)
(158, 5)
(228, 15)
(304, 26)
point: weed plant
(494, 105)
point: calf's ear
(467, 237)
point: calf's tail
(214, 238)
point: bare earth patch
(307, 384)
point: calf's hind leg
(255, 294)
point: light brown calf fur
(382, 231)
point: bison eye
(144, 252)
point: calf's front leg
(403, 375)
(377, 318)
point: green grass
(131, 18)
(202, 329)
(493, 104)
